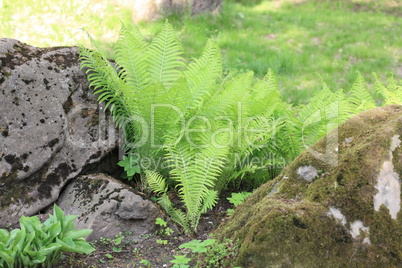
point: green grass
(303, 43)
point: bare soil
(159, 255)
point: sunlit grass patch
(302, 41)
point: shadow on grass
(298, 40)
(294, 38)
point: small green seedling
(164, 230)
(168, 231)
(130, 165)
(117, 241)
(180, 261)
(162, 241)
(237, 199)
(196, 246)
(146, 263)
(109, 256)
(116, 249)
(161, 222)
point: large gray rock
(320, 214)
(108, 207)
(51, 126)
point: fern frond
(202, 74)
(324, 112)
(176, 215)
(359, 97)
(205, 172)
(392, 94)
(227, 100)
(267, 89)
(131, 59)
(288, 141)
(265, 97)
(164, 57)
(158, 185)
(210, 200)
(210, 57)
(156, 182)
(169, 109)
(107, 84)
(180, 158)
(196, 171)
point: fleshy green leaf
(78, 233)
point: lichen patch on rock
(108, 207)
(307, 173)
(389, 185)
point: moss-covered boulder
(336, 205)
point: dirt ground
(157, 254)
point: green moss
(86, 188)
(10, 191)
(292, 228)
(386, 233)
(291, 233)
(218, 254)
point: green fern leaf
(164, 57)
(176, 215)
(107, 84)
(210, 200)
(156, 182)
(131, 60)
(359, 97)
(392, 94)
(324, 112)
(202, 74)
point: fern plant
(392, 93)
(187, 115)
(200, 131)
(303, 125)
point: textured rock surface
(51, 127)
(108, 207)
(319, 215)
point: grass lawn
(302, 42)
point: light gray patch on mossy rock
(389, 185)
(307, 173)
(337, 214)
(108, 207)
(346, 216)
(49, 128)
(355, 228)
